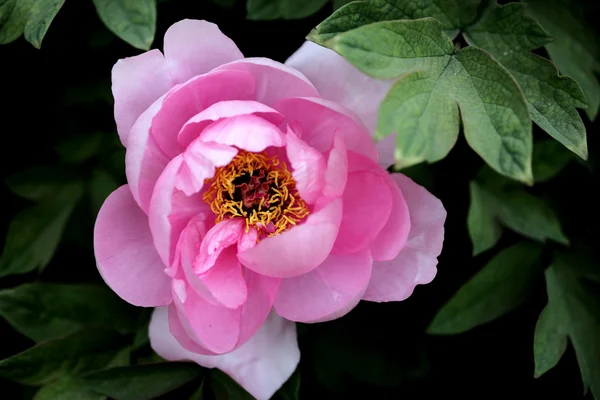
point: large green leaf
(286, 9)
(43, 182)
(79, 148)
(34, 233)
(134, 21)
(29, 17)
(101, 185)
(44, 311)
(501, 286)
(496, 203)
(67, 388)
(142, 381)
(549, 158)
(452, 14)
(223, 387)
(83, 351)
(435, 80)
(573, 310)
(575, 49)
(509, 36)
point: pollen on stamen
(258, 188)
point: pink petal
(136, 83)
(367, 207)
(214, 327)
(187, 250)
(261, 296)
(336, 175)
(308, 166)
(299, 249)
(194, 96)
(125, 254)
(225, 280)
(392, 238)
(395, 280)
(152, 141)
(199, 162)
(321, 119)
(274, 81)
(248, 132)
(224, 234)
(339, 81)
(194, 47)
(328, 291)
(225, 109)
(170, 211)
(187, 340)
(261, 366)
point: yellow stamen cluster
(280, 206)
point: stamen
(258, 188)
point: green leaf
(29, 17)
(34, 233)
(43, 311)
(39, 182)
(549, 343)
(101, 185)
(452, 14)
(286, 9)
(484, 228)
(575, 48)
(79, 148)
(134, 21)
(225, 388)
(422, 106)
(574, 311)
(494, 202)
(142, 381)
(501, 286)
(340, 3)
(83, 351)
(549, 158)
(67, 388)
(509, 36)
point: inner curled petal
(258, 188)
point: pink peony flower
(255, 197)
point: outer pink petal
(416, 264)
(261, 366)
(199, 162)
(194, 47)
(194, 96)
(337, 80)
(248, 132)
(328, 291)
(152, 141)
(136, 83)
(299, 249)
(392, 238)
(308, 167)
(320, 120)
(274, 81)
(171, 210)
(225, 109)
(367, 207)
(125, 254)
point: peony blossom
(255, 197)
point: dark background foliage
(380, 351)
